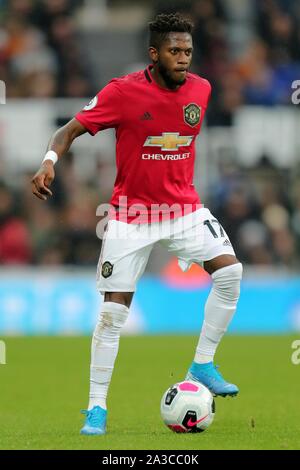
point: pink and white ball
(187, 407)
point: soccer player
(157, 114)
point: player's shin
(219, 310)
(105, 345)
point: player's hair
(164, 24)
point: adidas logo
(146, 117)
(227, 243)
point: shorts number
(211, 228)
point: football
(187, 407)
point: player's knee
(124, 298)
(112, 317)
(227, 280)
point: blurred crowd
(41, 56)
(260, 210)
(59, 231)
(249, 50)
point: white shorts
(193, 238)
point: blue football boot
(95, 422)
(208, 375)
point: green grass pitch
(45, 384)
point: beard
(166, 75)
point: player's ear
(153, 53)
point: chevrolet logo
(169, 141)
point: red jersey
(156, 130)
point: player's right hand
(42, 180)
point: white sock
(219, 310)
(105, 345)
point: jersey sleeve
(103, 111)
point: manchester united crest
(192, 114)
(107, 269)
